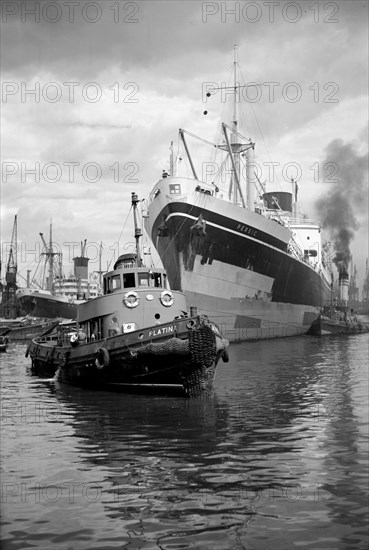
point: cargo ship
(59, 296)
(243, 255)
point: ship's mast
(235, 145)
(235, 148)
(51, 259)
(171, 166)
(138, 231)
(235, 181)
(235, 88)
(100, 270)
(49, 253)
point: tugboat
(137, 336)
(338, 317)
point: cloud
(163, 61)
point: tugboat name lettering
(247, 230)
(160, 331)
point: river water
(277, 459)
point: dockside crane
(9, 307)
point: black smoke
(346, 198)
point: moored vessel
(244, 255)
(23, 329)
(58, 296)
(137, 336)
(338, 317)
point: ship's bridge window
(115, 283)
(203, 190)
(174, 189)
(143, 279)
(129, 280)
(157, 279)
(127, 264)
(107, 285)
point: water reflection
(278, 454)
(151, 450)
(344, 488)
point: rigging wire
(216, 150)
(120, 236)
(258, 125)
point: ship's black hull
(294, 281)
(47, 307)
(149, 360)
(235, 265)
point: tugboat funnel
(343, 285)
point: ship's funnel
(343, 286)
(81, 267)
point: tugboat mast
(138, 230)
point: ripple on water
(277, 459)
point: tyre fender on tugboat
(102, 358)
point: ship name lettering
(160, 331)
(246, 229)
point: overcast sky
(93, 93)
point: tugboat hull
(178, 357)
(324, 326)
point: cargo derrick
(9, 306)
